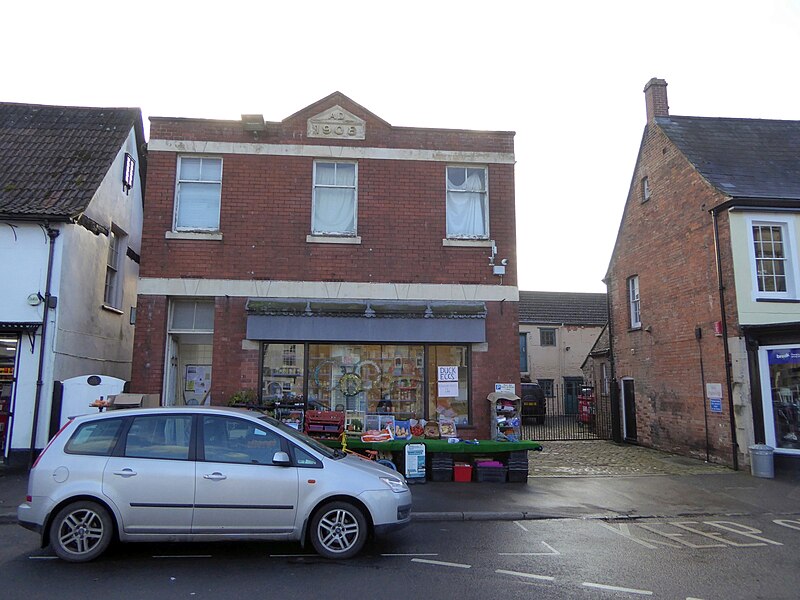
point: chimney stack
(655, 97)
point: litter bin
(761, 461)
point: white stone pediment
(337, 123)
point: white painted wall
(86, 338)
(556, 362)
(750, 311)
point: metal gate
(568, 419)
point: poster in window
(198, 379)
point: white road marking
(289, 555)
(614, 588)
(521, 526)
(43, 557)
(790, 523)
(553, 552)
(742, 530)
(693, 598)
(526, 575)
(441, 563)
(182, 556)
(413, 554)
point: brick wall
(668, 242)
(265, 219)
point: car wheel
(338, 530)
(81, 531)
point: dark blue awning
(322, 320)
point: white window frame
(767, 400)
(485, 192)
(318, 232)
(178, 182)
(128, 172)
(116, 250)
(789, 250)
(634, 302)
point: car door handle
(216, 476)
(125, 473)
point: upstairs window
(128, 173)
(333, 210)
(199, 189)
(467, 203)
(112, 295)
(547, 336)
(646, 192)
(771, 255)
(633, 302)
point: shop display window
(784, 381)
(282, 379)
(448, 388)
(367, 381)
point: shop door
(9, 343)
(572, 387)
(629, 408)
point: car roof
(126, 412)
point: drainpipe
(52, 234)
(726, 349)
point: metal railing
(564, 419)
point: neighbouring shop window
(547, 337)
(448, 401)
(334, 206)
(283, 374)
(467, 203)
(770, 251)
(782, 403)
(198, 193)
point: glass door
(9, 343)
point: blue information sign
(716, 404)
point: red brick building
(330, 260)
(705, 267)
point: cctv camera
(504, 262)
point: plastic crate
(491, 474)
(441, 474)
(462, 473)
(517, 476)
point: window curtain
(466, 209)
(335, 199)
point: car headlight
(396, 485)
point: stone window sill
(333, 239)
(215, 236)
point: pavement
(584, 480)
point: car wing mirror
(281, 459)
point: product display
(506, 416)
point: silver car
(204, 474)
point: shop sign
(448, 374)
(714, 395)
(505, 387)
(784, 357)
(448, 389)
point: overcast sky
(566, 76)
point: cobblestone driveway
(608, 459)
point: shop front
(373, 361)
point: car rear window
(97, 438)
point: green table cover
(436, 446)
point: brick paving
(608, 459)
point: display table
(437, 446)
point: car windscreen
(297, 435)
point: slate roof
(743, 158)
(53, 158)
(562, 307)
